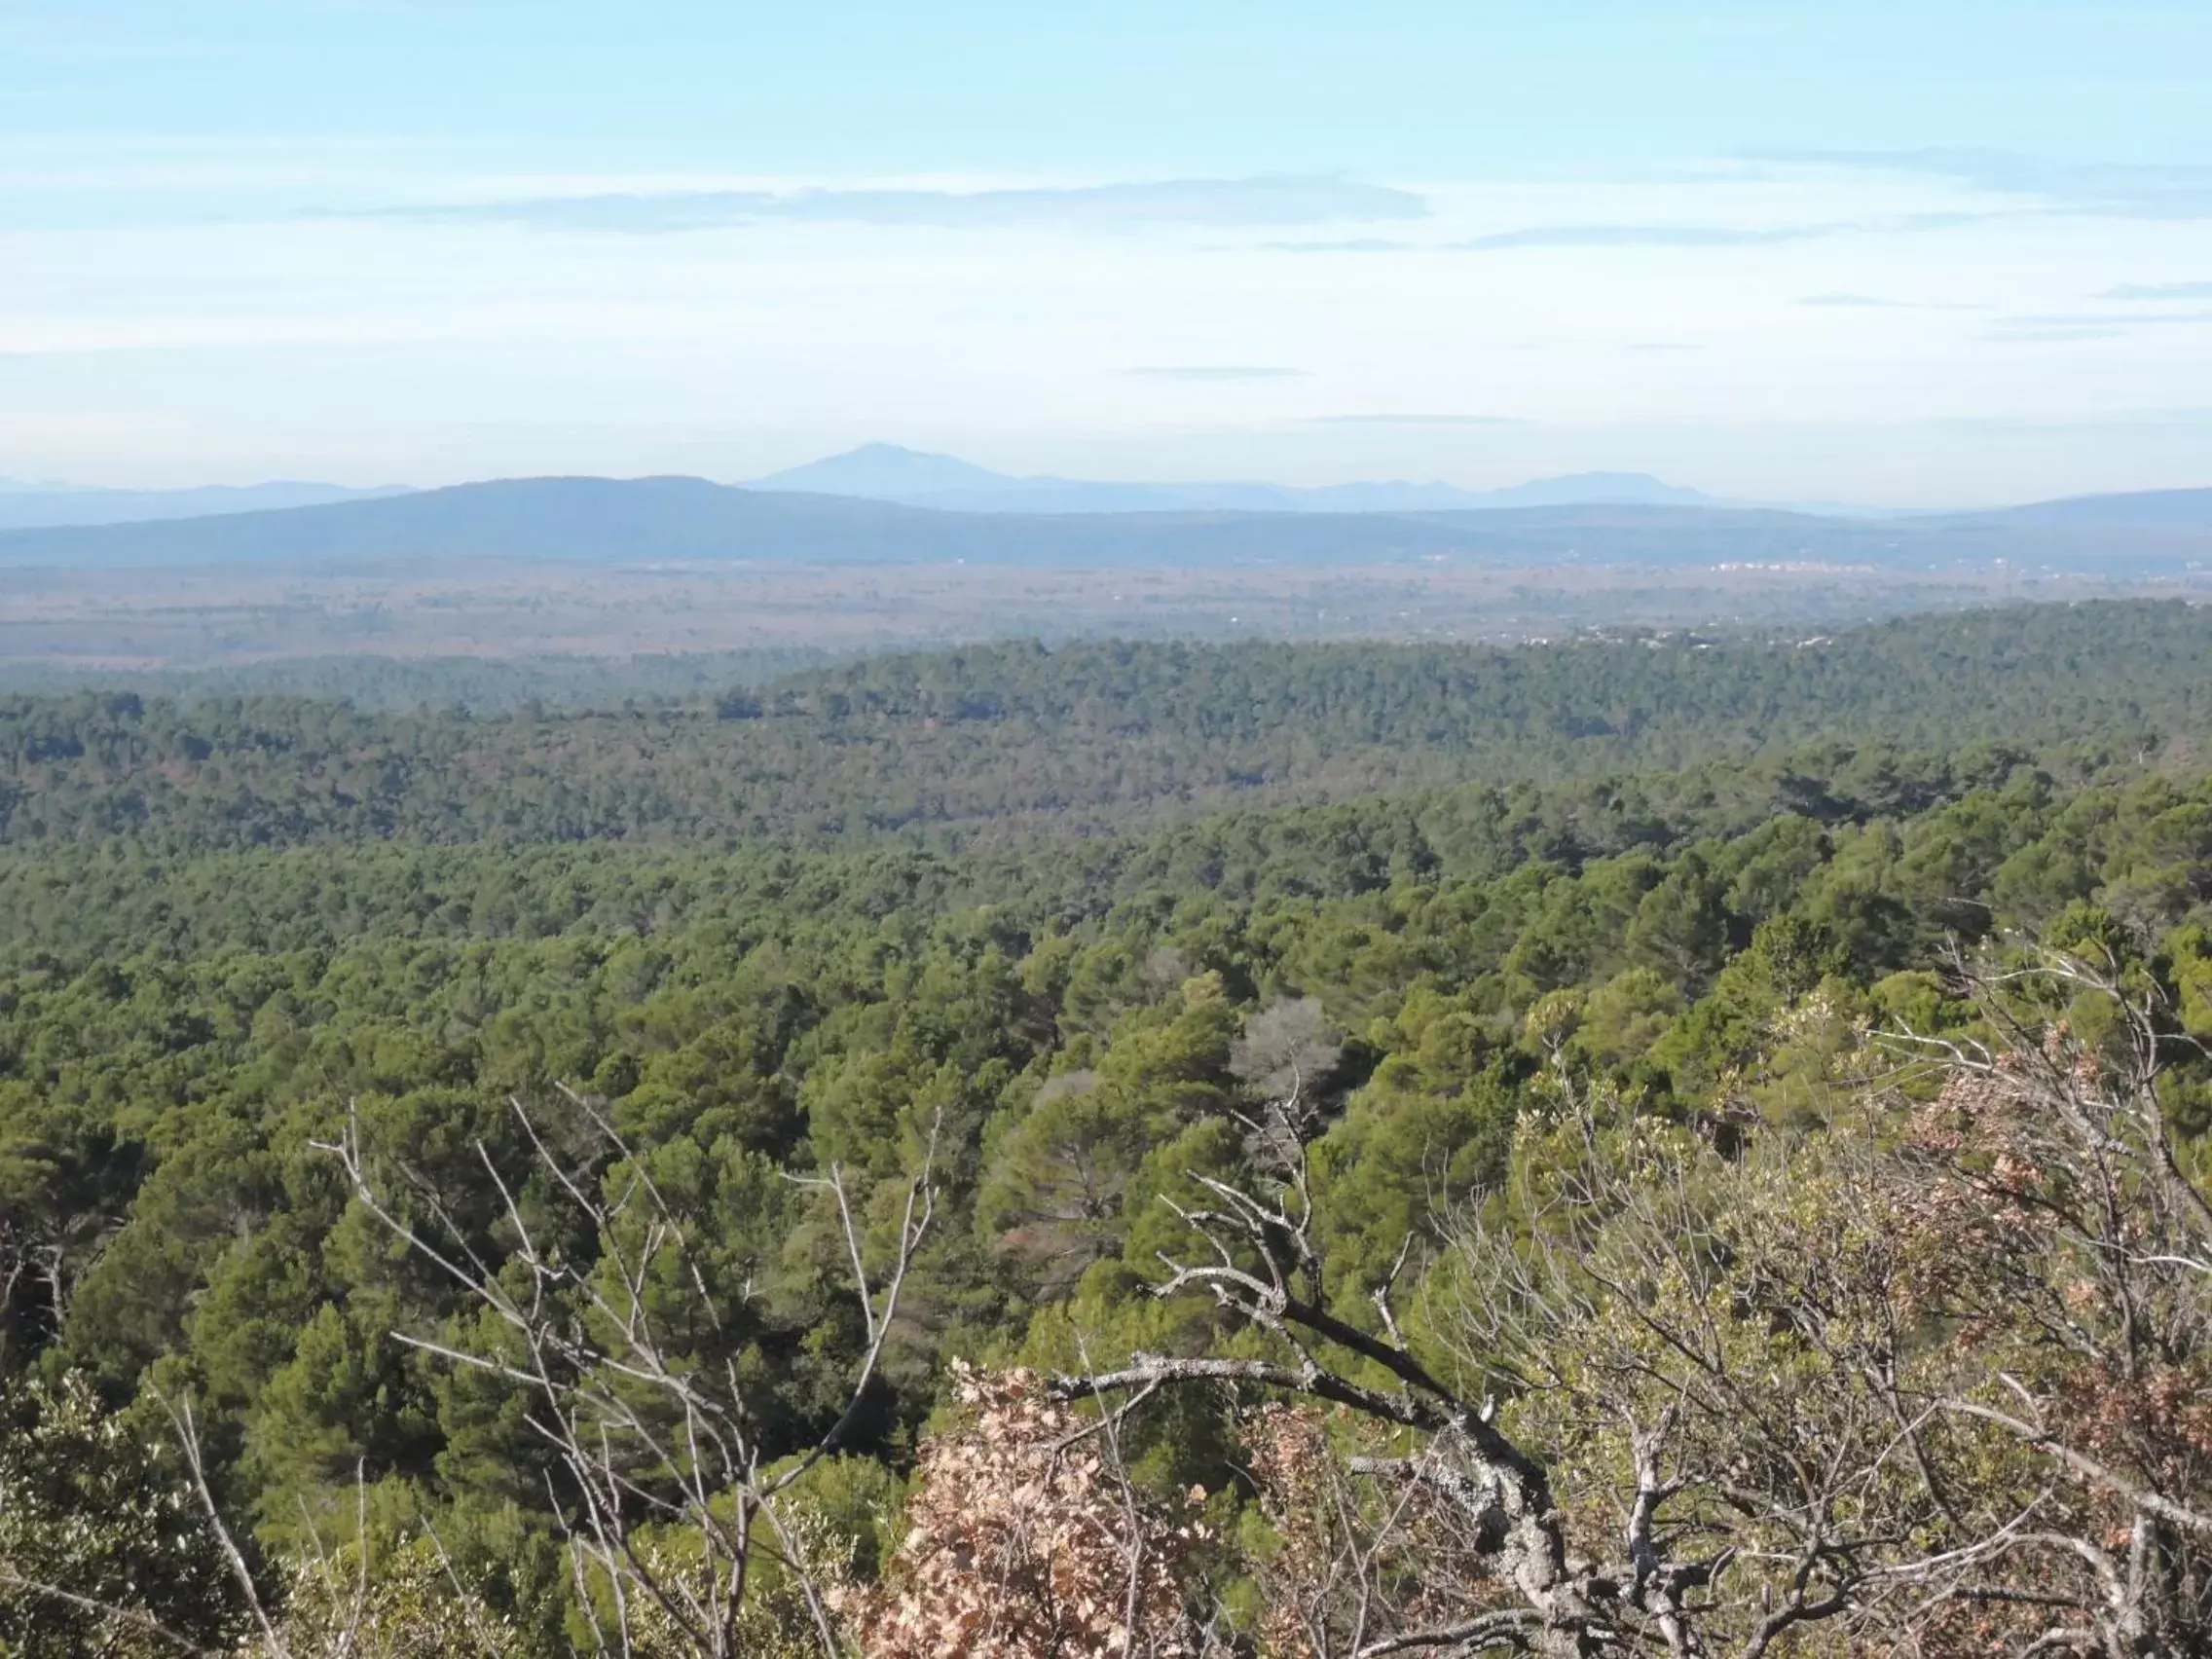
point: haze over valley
(602, 568)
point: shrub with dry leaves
(1024, 1540)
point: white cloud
(1875, 301)
(2107, 189)
(2160, 292)
(1647, 235)
(1265, 201)
(1469, 422)
(1218, 372)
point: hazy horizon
(1910, 256)
(253, 489)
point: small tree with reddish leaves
(1026, 1540)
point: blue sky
(1928, 253)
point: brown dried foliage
(1024, 1540)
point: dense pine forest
(1677, 1144)
(1083, 737)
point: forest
(1687, 1145)
(1083, 737)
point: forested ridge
(463, 1137)
(1084, 735)
(484, 684)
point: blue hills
(888, 472)
(843, 511)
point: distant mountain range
(886, 472)
(682, 520)
(28, 506)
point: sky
(1902, 254)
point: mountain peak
(892, 472)
(886, 472)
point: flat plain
(215, 616)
